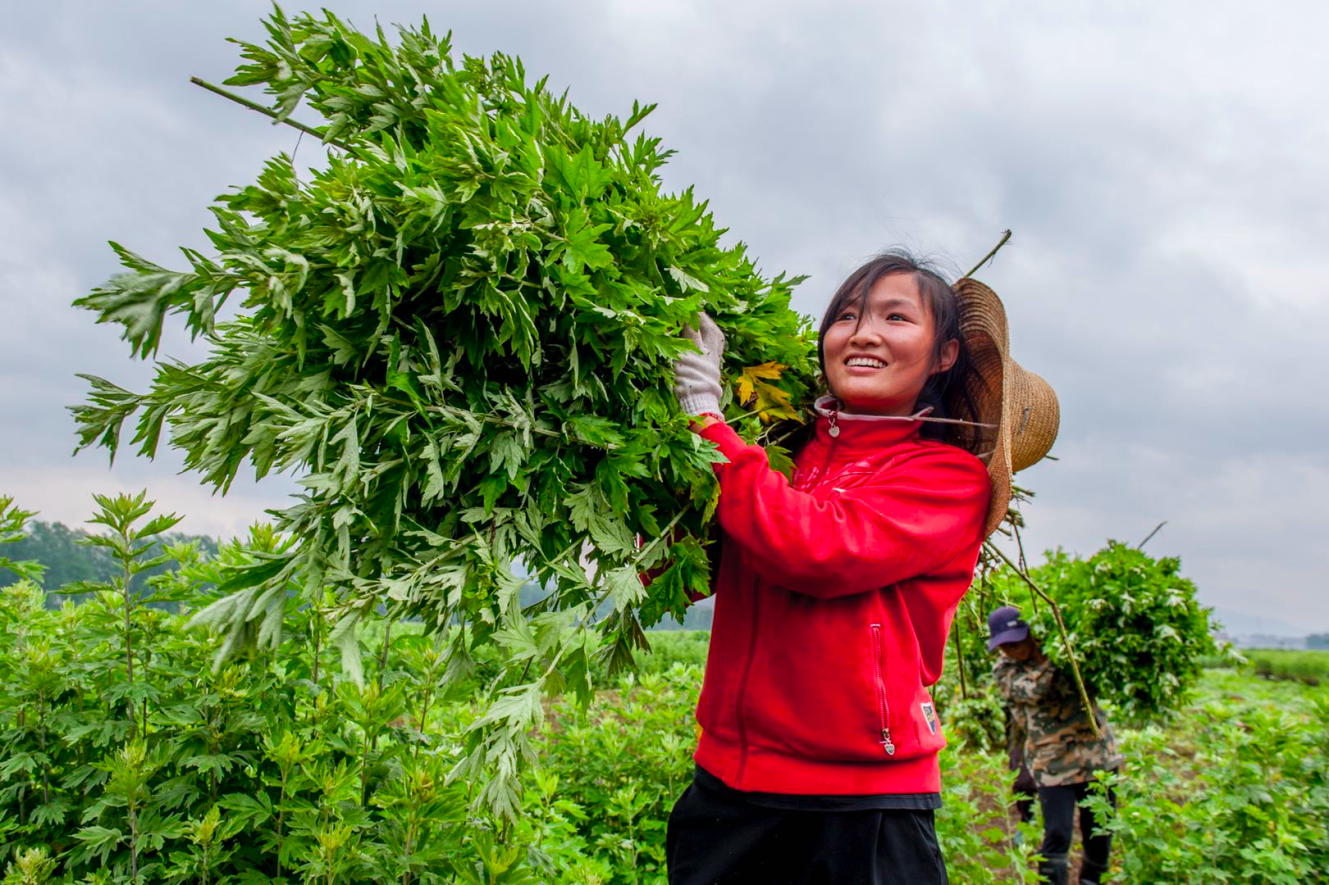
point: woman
(817, 760)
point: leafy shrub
(976, 722)
(259, 771)
(623, 783)
(1238, 791)
(975, 826)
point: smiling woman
(818, 754)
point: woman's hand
(697, 375)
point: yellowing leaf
(773, 403)
(750, 377)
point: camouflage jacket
(1048, 719)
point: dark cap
(1004, 625)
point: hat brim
(1015, 634)
(1019, 407)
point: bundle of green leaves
(1138, 631)
(460, 335)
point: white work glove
(697, 375)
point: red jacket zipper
(883, 705)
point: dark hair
(949, 393)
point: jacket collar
(864, 431)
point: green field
(279, 768)
(1308, 666)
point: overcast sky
(1164, 168)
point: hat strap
(956, 421)
(923, 414)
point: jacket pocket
(879, 685)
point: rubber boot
(1091, 873)
(1056, 870)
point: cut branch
(959, 655)
(988, 257)
(265, 111)
(1149, 537)
(1024, 563)
(1065, 638)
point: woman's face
(878, 362)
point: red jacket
(834, 597)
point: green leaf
(626, 586)
(343, 638)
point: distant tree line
(67, 561)
(1318, 640)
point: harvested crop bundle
(1138, 631)
(459, 335)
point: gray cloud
(1159, 164)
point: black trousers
(1059, 805)
(1026, 791)
(715, 839)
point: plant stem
(424, 715)
(959, 654)
(641, 554)
(364, 769)
(41, 744)
(1065, 638)
(383, 656)
(267, 112)
(988, 257)
(133, 841)
(281, 811)
(129, 649)
(411, 827)
(317, 625)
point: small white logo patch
(931, 716)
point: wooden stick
(265, 111)
(1065, 638)
(988, 257)
(1024, 564)
(1147, 537)
(959, 654)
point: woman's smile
(865, 364)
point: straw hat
(1022, 406)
